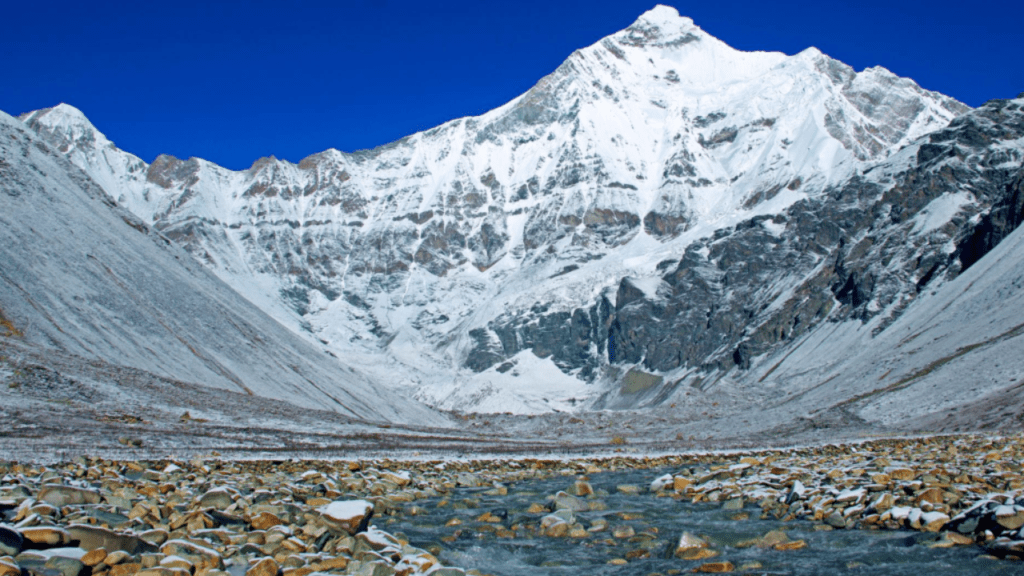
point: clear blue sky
(234, 81)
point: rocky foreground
(95, 517)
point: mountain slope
(83, 276)
(893, 296)
(660, 209)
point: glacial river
(657, 524)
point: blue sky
(234, 81)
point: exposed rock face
(659, 200)
(864, 248)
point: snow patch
(940, 211)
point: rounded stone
(11, 541)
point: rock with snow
(565, 501)
(662, 482)
(64, 495)
(347, 516)
(203, 558)
(10, 540)
(94, 537)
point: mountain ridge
(495, 260)
(88, 278)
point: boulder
(116, 557)
(836, 520)
(662, 483)
(176, 563)
(10, 541)
(265, 567)
(218, 498)
(791, 545)
(580, 488)
(1010, 517)
(45, 536)
(265, 521)
(93, 537)
(347, 516)
(902, 474)
(400, 478)
(9, 568)
(61, 496)
(94, 557)
(201, 557)
(64, 566)
(554, 526)
(933, 521)
(689, 546)
(564, 501)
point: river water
(657, 524)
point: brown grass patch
(7, 328)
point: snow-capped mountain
(661, 210)
(82, 276)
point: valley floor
(59, 406)
(206, 475)
(939, 505)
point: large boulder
(347, 516)
(564, 501)
(61, 496)
(45, 537)
(93, 537)
(218, 498)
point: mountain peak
(62, 114)
(64, 124)
(660, 25)
(662, 14)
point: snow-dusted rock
(219, 498)
(347, 516)
(10, 540)
(662, 482)
(64, 495)
(202, 557)
(565, 501)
